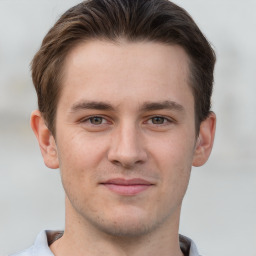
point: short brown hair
(135, 20)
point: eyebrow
(147, 106)
(171, 105)
(91, 105)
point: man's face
(125, 135)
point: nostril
(124, 164)
(116, 162)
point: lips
(126, 187)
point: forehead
(142, 71)
(95, 54)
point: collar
(46, 237)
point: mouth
(126, 187)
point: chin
(127, 225)
(128, 228)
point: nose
(126, 147)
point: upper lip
(127, 182)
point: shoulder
(40, 246)
(27, 252)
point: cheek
(177, 150)
(79, 158)
(173, 158)
(77, 162)
(79, 151)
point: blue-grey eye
(96, 120)
(158, 120)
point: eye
(158, 120)
(96, 120)
(95, 123)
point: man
(124, 90)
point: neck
(82, 238)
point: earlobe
(45, 140)
(205, 140)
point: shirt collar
(46, 237)
(187, 246)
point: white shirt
(41, 247)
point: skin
(126, 111)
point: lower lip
(127, 190)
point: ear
(45, 140)
(205, 140)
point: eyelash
(165, 120)
(89, 119)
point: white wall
(220, 207)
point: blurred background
(219, 210)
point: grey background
(219, 209)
